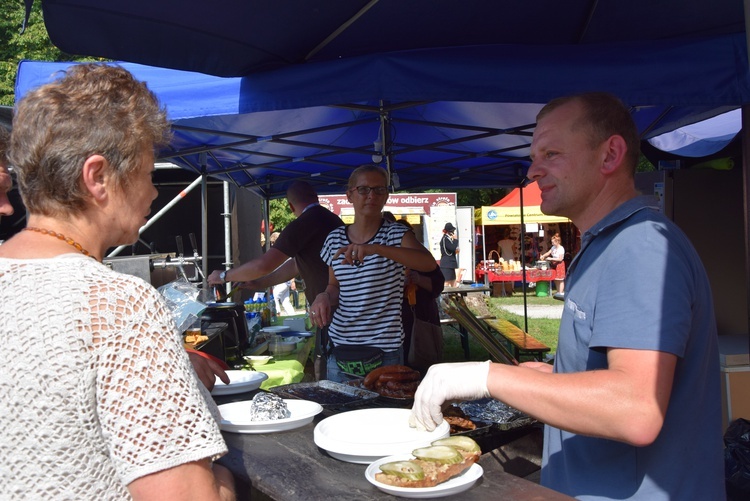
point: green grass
(543, 329)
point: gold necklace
(60, 236)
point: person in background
(281, 297)
(6, 182)
(296, 251)
(108, 407)
(449, 255)
(556, 258)
(632, 405)
(281, 290)
(506, 247)
(366, 263)
(531, 250)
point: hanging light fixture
(377, 147)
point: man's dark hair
(604, 115)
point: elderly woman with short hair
(99, 398)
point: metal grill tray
(326, 393)
(488, 410)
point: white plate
(365, 435)
(273, 329)
(239, 382)
(460, 483)
(299, 334)
(235, 417)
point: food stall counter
(532, 275)
(286, 369)
(289, 466)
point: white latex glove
(445, 382)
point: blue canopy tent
(240, 37)
(444, 92)
(439, 118)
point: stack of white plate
(366, 435)
(239, 382)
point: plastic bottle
(265, 314)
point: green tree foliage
(33, 43)
(480, 197)
(644, 165)
(280, 214)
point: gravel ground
(536, 311)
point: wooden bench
(520, 342)
(452, 322)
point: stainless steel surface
(326, 393)
(146, 267)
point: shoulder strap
(442, 245)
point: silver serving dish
(326, 393)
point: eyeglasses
(365, 190)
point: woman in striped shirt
(362, 302)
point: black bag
(426, 346)
(357, 360)
(737, 459)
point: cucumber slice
(439, 453)
(403, 469)
(460, 442)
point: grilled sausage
(374, 375)
(409, 387)
(400, 377)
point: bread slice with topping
(432, 465)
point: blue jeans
(395, 357)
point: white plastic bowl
(256, 360)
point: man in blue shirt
(632, 405)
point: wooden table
(288, 466)
(465, 289)
(532, 275)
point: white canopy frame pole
(159, 214)
(228, 263)
(204, 221)
(384, 148)
(484, 255)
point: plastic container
(542, 289)
(282, 346)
